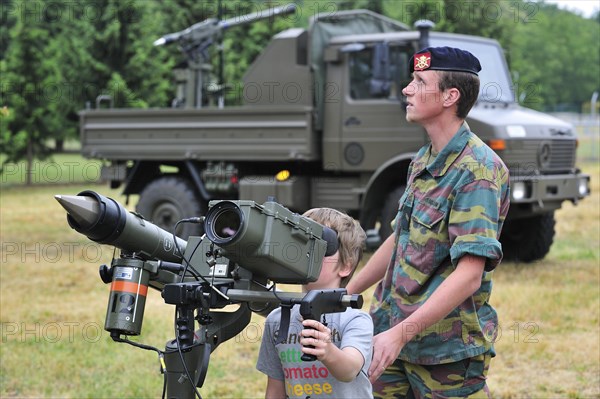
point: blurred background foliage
(58, 56)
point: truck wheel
(389, 212)
(167, 200)
(528, 239)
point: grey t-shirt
(312, 379)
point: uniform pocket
(427, 215)
(428, 239)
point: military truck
(323, 124)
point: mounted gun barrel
(212, 26)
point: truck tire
(167, 200)
(528, 239)
(389, 212)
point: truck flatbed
(234, 133)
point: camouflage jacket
(453, 206)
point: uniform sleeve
(475, 221)
(268, 361)
(358, 333)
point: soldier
(434, 327)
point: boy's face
(331, 274)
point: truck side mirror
(381, 82)
(352, 48)
(333, 54)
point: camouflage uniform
(455, 204)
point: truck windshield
(495, 82)
(365, 80)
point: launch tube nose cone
(84, 210)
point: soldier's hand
(386, 348)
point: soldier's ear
(450, 97)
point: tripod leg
(196, 360)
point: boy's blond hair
(351, 236)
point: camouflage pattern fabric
(462, 379)
(453, 206)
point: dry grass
(53, 305)
(550, 311)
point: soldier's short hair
(466, 83)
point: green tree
(121, 60)
(60, 55)
(556, 71)
(8, 19)
(28, 76)
(491, 18)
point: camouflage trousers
(463, 379)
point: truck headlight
(519, 191)
(583, 187)
(516, 131)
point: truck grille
(526, 157)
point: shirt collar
(446, 157)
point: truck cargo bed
(235, 133)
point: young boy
(342, 347)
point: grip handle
(306, 357)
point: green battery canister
(127, 299)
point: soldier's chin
(409, 116)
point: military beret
(444, 59)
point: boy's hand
(344, 364)
(317, 335)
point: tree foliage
(556, 59)
(29, 78)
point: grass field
(52, 308)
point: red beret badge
(422, 61)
